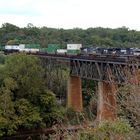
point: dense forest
(25, 101)
(120, 37)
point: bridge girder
(108, 71)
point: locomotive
(100, 51)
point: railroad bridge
(108, 71)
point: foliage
(7, 111)
(74, 118)
(56, 79)
(13, 42)
(54, 112)
(2, 59)
(25, 101)
(28, 115)
(117, 130)
(128, 104)
(120, 129)
(28, 74)
(106, 37)
(117, 127)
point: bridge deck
(99, 68)
(99, 58)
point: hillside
(120, 37)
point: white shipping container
(8, 47)
(62, 51)
(15, 47)
(29, 50)
(34, 50)
(24, 50)
(74, 46)
(21, 46)
(12, 47)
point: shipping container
(43, 50)
(73, 51)
(8, 47)
(61, 51)
(2, 48)
(52, 48)
(22, 46)
(15, 47)
(33, 46)
(12, 47)
(74, 46)
(29, 50)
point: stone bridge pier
(106, 108)
(74, 96)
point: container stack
(74, 49)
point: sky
(69, 14)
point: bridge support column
(74, 96)
(106, 109)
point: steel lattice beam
(103, 70)
(108, 69)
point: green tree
(9, 27)
(28, 74)
(28, 115)
(8, 117)
(13, 42)
(25, 102)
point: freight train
(71, 49)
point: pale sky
(71, 13)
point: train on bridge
(71, 49)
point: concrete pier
(74, 96)
(106, 108)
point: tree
(25, 102)
(9, 27)
(28, 115)
(129, 104)
(8, 117)
(28, 74)
(13, 42)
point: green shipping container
(32, 46)
(52, 48)
(73, 51)
(2, 48)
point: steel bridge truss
(119, 72)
